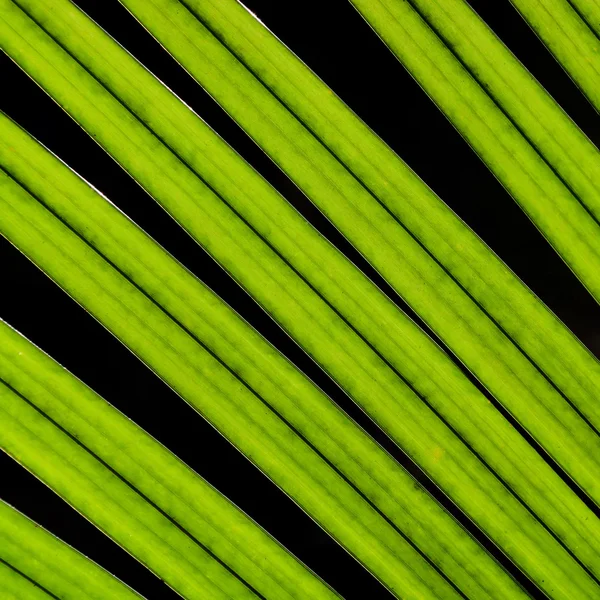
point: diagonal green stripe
(459, 93)
(51, 563)
(217, 394)
(156, 473)
(432, 458)
(549, 203)
(225, 78)
(197, 50)
(385, 340)
(283, 387)
(109, 503)
(590, 11)
(16, 587)
(569, 39)
(463, 256)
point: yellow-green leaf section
(432, 460)
(151, 469)
(50, 563)
(463, 493)
(109, 503)
(421, 265)
(225, 401)
(570, 40)
(288, 391)
(553, 175)
(590, 12)
(284, 388)
(14, 586)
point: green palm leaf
(550, 192)
(442, 305)
(423, 436)
(590, 11)
(152, 504)
(16, 587)
(30, 554)
(85, 483)
(569, 38)
(415, 276)
(152, 471)
(209, 387)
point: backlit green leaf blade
(222, 399)
(549, 203)
(14, 586)
(465, 495)
(283, 387)
(102, 497)
(212, 65)
(459, 93)
(590, 11)
(154, 471)
(175, 29)
(52, 564)
(569, 39)
(460, 253)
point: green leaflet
(16, 587)
(569, 39)
(96, 492)
(278, 383)
(51, 563)
(459, 93)
(405, 265)
(227, 80)
(549, 203)
(159, 161)
(172, 486)
(224, 401)
(590, 11)
(155, 472)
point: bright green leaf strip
(110, 504)
(151, 469)
(16, 587)
(251, 357)
(425, 286)
(51, 563)
(590, 11)
(283, 387)
(206, 59)
(393, 407)
(461, 322)
(460, 94)
(222, 399)
(298, 241)
(569, 39)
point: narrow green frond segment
(383, 394)
(51, 563)
(110, 504)
(408, 269)
(155, 472)
(428, 369)
(290, 394)
(14, 586)
(282, 386)
(569, 39)
(219, 396)
(411, 35)
(590, 12)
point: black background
(332, 38)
